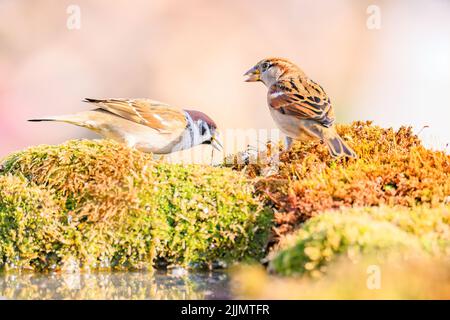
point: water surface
(115, 285)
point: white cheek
(276, 94)
(196, 136)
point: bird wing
(150, 113)
(302, 98)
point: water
(115, 285)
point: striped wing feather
(151, 113)
(302, 98)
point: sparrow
(299, 106)
(144, 124)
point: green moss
(206, 209)
(430, 225)
(121, 209)
(325, 238)
(352, 233)
(31, 225)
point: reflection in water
(116, 285)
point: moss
(124, 210)
(326, 237)
(31, 224)
(118, 208)
(392, 168)
(206, 209)
(430, 225)
(352, 233)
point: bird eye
(203, 129)
(265, 66)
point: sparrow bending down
(144, 124)
(299, 106)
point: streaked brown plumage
(145, 124)
(151, 113)
(299, 106)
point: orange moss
(393, 168)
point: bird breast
(292, 126)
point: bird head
(203, 129)
(270, 70)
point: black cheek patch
(202, 130)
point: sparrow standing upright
(144, 124)
(299, 106)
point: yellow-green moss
(324, 238)
(124, 210)
(430, 225)
(31, 224)
(352, 233)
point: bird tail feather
(42, 119)
(71, 118)
(337, 146)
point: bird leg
(212, 157)
(287, 143)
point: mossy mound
(324, 238)
(120, 209)
(392, 168)
(31, 224)
(431, 226)
(354, 233)
(116, 207)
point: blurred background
(194, 54)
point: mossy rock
(327, 237)
(118, 208)
(358, 232)
(431, 226)
(31, 224)
(393, 168)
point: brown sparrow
(144, 124)
(299, 106)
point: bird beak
(216, 144)
(252, 75)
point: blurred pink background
(194, 53)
